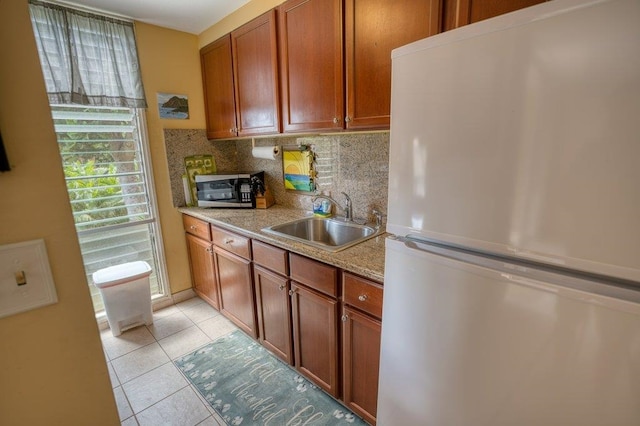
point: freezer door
(519, 135)
(466, 345)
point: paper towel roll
(266, 152)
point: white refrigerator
(512, 284)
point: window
(109, 184)
(92, 74)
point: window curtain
(87, 59)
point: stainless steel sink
(325, 233)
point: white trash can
(126, 294)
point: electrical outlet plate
(26, 281)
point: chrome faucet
(347, 209)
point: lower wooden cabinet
(315, 336)
(360, 362)
(203, 269)
(293, 305)
(361, 327)
(236, 290)
(273, 307)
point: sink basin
(325, 233)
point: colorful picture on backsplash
(173, 106)
(298, 170)
(197, 165)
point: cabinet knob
(282, 286)
(345, 318)
(336, 120)
(291, 292)
(363, 297)
(209, 250)
(193, 227)
(347, 119)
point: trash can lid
(118, 274)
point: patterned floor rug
(247, 385)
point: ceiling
(191, 16)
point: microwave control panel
(245, 193)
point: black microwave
(235, 190)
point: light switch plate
(26, 281)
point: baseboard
(183, 295)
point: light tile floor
(148, 388)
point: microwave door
(216, 191)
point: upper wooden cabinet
(372, 30)
(255, 74)
(322, 65)
(311, 66)
(457, 13)
(217, 80)
(240, 78)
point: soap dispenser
(322, 206)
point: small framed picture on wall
(173, 106)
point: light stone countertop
(365, 259)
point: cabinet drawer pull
(363, 297)
(345, 318)
(228, 240)
(193, 227)
(282, 286)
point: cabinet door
(255, 73)
(310, 40)
(462, 12)
(372, 30)
(217, 79)
(315, 336)
(273, 306)
(202, 269)
(236, 290)
(360, 362)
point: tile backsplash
(354, 163)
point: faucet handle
(348, 209)
(378, 215)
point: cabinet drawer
(316, 275)
(362, 294)
(231, 242)
(196, 227)
(270, 257)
